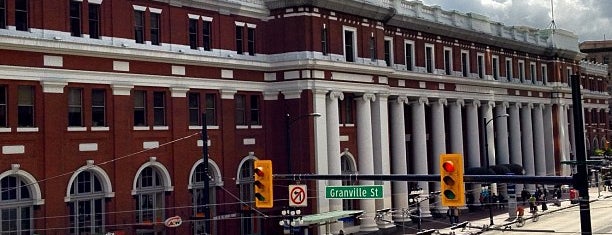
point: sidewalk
(501, 219)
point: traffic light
(263, 184)
(451, 177)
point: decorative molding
(13, 149)
(122, 89)
(179, 92)
(53, 86)
(53, 61)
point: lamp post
(288, 123)
(486, 140)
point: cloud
(589, 19)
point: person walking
(453, 215)
(532, 204)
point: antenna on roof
(552, 24)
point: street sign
(354, 192)
(298, 195)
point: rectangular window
(429, 59)
(193, 33)
(255, 110)
(251, 40)
(465, 64)
(521, 68)
(155, 28)
(25, 106)
(21, 15)
(349, 46)
(98, 107)
(75, 18)
(194, 109)
(2, 14)
(544, 74)
(372, 48)
(3, 107)
(533, 73)
(495, 67)
(324, 49)
(240, 110)
(409, 50)
(388, 52)
(140, 108)
(207, 35)
(211, 109)
(239, 39)
(347, 113)
(481, 66)
(509, 69)
(139, 26)
(159, 108)
(569, 76)
(94, 21)
(75, 107)
(448, 62)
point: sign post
(354, 192)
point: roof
(327, 217)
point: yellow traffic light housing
(263, 188)
(451, 180)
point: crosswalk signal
(263, 184)
(451, 177)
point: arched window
(86, 204)
(149, 200)
(248, 220)
(198, 192)
(347, 167)
(16, 206)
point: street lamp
(486, 140)
(288, 123)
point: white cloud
(589, 19)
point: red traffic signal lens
(258, 171)
(448, 166)
(449, 194)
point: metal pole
(206, 179)
(288, 142)
(486, 140)
(581, 166)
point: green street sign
(354, 192)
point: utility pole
(206, 178)
(581, 163)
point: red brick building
(100, 104)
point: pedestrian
(525, 195)
(532, 204)
(502, 202)
(453, 214)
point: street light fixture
(288, 123)
(486, 140)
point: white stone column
(456, 128)
(438, 143)
(398, 158)
(564, 148)
(419, 146)
(382, 164)
(473, 146)
(366, 157)
(538, 140)
(501, 134)
(333, 150)
(321, 159)
(527, 143)
(516, 154)
(549, 140)
(570, 114)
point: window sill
(160, 128)
(76, 128)
(142, 128)
(200, 127)
(100, 128)
(256, 127)
(27, 129)
(5, 129)
(242, 127)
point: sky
(589, 19)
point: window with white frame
(150, 203)
(25, 106)
(389, 51)
(448, 61)
(409, 54)
(347, 167)
(465, 63)
(544, 74)
(533, 72)
(372, 45)
(198, 194)
(248, 225)
(429, 58)
(521, 67)
(569, 76)
(481, 65)
(3, 107)
(139, 19)
(324, 40)
(2, 14)
(16, 205)
(86, 204)
(75, 107)
(349, 40)
(75, 18)
(495, 67)
(22, 15)
(509, 73)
